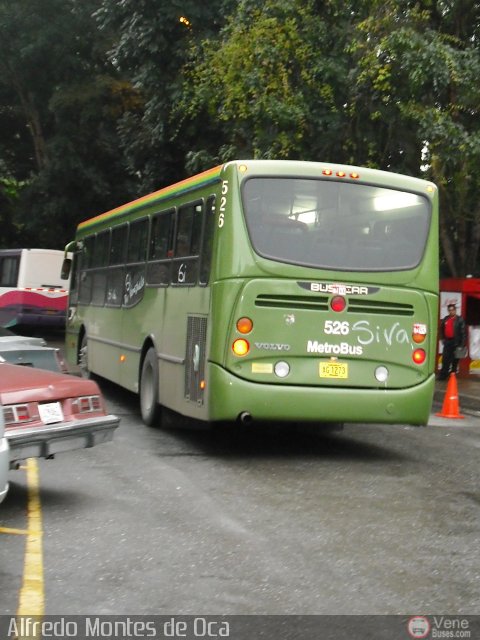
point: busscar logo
(337, 288)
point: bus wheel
(83, 358)
(149, 407)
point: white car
(4, 459)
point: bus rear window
(336, 225)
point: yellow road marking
(32, 600)
(20, 532)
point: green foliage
(9, 192)
(267, 84)
(420, 63)
(103, 100)
(150, 51)
(62, 99)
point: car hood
(20, 384)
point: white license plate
(333, 370)
(50, 412)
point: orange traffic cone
(450, 408)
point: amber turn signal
(244, 325)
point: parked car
(47, 413)
(4, 460)
(30, 351)
(32, 355)
(8, 337)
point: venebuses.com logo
(418, 627)
(438, 627)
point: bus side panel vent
(195, 358)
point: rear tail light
(241, 347)
(338, 303)
(419, 356)
(86, 404)
(16, 414)
(244, 325)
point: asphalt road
(258, 520)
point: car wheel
(149, 407)
(83, 358)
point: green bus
(264, 290)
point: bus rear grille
(195, 358)
(379, 307)
(318, 303)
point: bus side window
(85, 263)
(119, 245)
(9, 271)
(196, 230)
(137, 241)
(160, 248)
(207, 241)
(134, 283)
(99, 262)
(116, 268)
(187, 243)
(184, 231)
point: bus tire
(149, 406)
(83, 358)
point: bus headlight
(381, 374)
(282, 369)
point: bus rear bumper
(232, 396)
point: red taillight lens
(419, 356)
(338, 303)
(86, 404)
(16, 414)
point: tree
(62, 94)
(274, 84)
(153, 46)
(420, 64)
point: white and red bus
(32, 292)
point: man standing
(453, 335)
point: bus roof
(280, 167)
(184, 186)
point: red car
(46, 413)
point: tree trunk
(32, 115)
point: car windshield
(335, 225)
